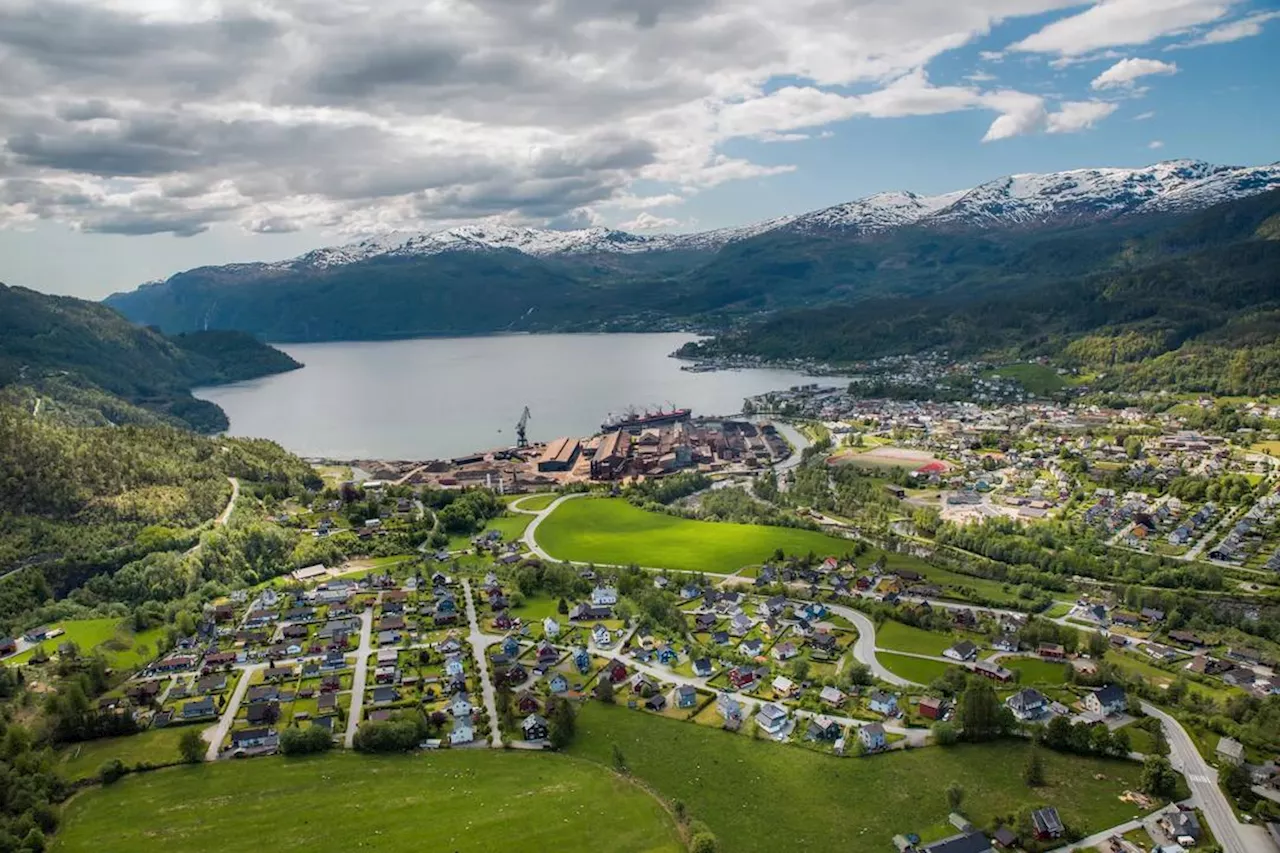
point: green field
(511, 525)
(760, 796)
(1037, 671)
(610, 530)
(919, 670)
(154, 746)
(1036, 378)
(535, 503)
(118, 645)
(908, 638)
(463, 800)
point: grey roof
(972, 842)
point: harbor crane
(521, 440)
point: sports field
(760, 796)
(610, 530)
(452, 800)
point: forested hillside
(77, 503)
(96, 366)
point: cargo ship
(633, 420)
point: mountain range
(890, 256)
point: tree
(296, 740)
(955, 796)
(704, 842)
(1158, 778)
(604, 691)
(562, 723)
(800, 669)
(111, 770)
(979, 711)
(945, 734)
(562, 607)
(619, 760)
(1097, 645)
(191, 746)
(1033, 773)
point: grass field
(463, 800)
(535, 503)
(919, 670)
(1036, 378)
(118, 645)
(154, 746)
(908, 638)
(610, 530)
(759, 796)
(1036, 671)
(511, 525)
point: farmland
(460, 800)
(609, 530)
(817, 802)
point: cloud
(1075, 116)
(1111, 23)
(1234, 31)
(1125, 72)
(1155, 144)
(153, 116)
(646, 221)
(1149, 114)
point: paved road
(479, 642)
(798, 443)
(1203, 780)
(215, 735)
(361, 676)
(864, 650)
(529, 541)
(1099, 837)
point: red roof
(932, 468)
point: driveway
(479, 642)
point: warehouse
(560, 455)
(611, 456)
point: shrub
(111, 771)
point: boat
(633, 420)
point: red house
(741, 678)
(931, 708)
(1053, 651)
(617, 672)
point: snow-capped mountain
(1014, 201)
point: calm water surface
(445, 397)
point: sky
(144, 137)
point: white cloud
(1110, 23)
(980, 77)
(1127, 71)
(646, 221)
(1149, 114)
(1155, 144)
(1074, 116)
(1234, 31)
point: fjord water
(432, 398)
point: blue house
(686, 696)
(582, 660)
(558, 684)
(884, 703)
(872, 737)
(814, 610)
(511, 647)
(667, 655)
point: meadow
(122, 648)
(919, 670)
(908, 638)
(154, 746)
(757, 795)
(610, 530)
(535, 503)
(455, 800)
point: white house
(604, 596)
(962, 651)
(772, 719)
(872, 737)
(1027, 704)
(550, 628)
(1106, 701)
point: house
(667, 655)
(1046, 823)
(832, 697)
(932, 708)
(617, 672)
(704, 621)
(656, 702)
(772, 719)
(702, 667)
(601, 636)
(964, 842)
(729, 708)
(199, 709)
(385, 695)
(742, 677)
(872, 737)
(587, 613)
(558, 684)
(258, 738)
(1052, 651)
(823, 728)
(550, 628)
(547, 653)
(1027, 704)
(604, 596)
(962, 651)
(720, 638)
(784, 687)
(453, 666)
(463, 732)
(690, 590)
(535, 727)
(686, 696)
(1182, 825)
(773, 607)
(526, 703)
(263, 693)
(1004, 838)
(1106, 701)
(264, 712)
(752, 647)
(740, 624)
(582, 660)
(1005, 644)
(1238, 676)
(785, 651)
(1230, 750)
(883, 703)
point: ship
(634, 420)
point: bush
(111, 771)
(191, 747)
(704, 842)
(388, 736)
(299, 741)
(945, 734)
